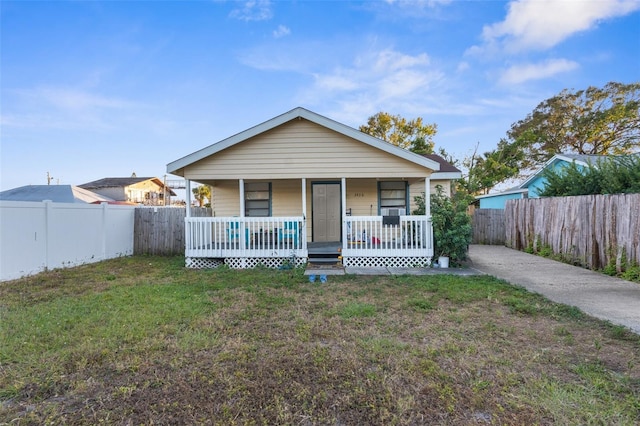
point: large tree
(408, 134)
(602, 121)
(592, 121)
(484, 171)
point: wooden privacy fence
(160, 230)
(488, 226)
(591, 230)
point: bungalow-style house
(301, 181)
(55, 193)
(149, 191)
(535, 183)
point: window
(393, 195)
(257, 199)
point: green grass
(143, 340)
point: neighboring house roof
(580, 159)
(447, 170)
(175, 166)
(501, 193)
(55, 193)
(117, 182)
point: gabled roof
(447, 170)
(320, 120)
(55, 193)
(121, 182)
(580, 159)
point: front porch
(366, 241)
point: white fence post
(48, 224)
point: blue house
(535, 183)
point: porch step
(325, 256)
(328, 261)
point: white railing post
(343, 212)
(241, 227)
(188, 196)
(304, 213)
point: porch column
(241, 230)
(343, 194)
(241, 197)
(427, 197)
(304, 212)
(304, 199)
(188, 196)
(427, 211)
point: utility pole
(49, 178)
(164, 191)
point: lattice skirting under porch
(241, 262)
(386, 262)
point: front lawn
(142, 340)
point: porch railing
(370, 236)
(222, 237)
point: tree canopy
(600, 121)
(613, 175)
(604, 121)
(200, 193)
(413, 134)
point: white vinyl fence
(36, 236)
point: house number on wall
(358, 194)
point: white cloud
(378, 80)
(56, 107)
(281, 31)
(336, 82)
(520, 73)
(462, 66)
(542, 24)
(253, 10)
(72, 99)
(418, 3)
(388, 60)
(386, 73)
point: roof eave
(446, 175)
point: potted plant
(451, 226)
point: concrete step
(324, 260)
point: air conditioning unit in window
(393, 211)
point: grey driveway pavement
(598, 295)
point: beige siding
(301, 149)
(416, 188)
(286, 197)
(225, 199)
(362, 197)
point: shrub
(451, 224)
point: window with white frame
(392, 195)
(257, 199)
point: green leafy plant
(451, 224)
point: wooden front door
(326, 211)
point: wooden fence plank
(160, 230)
(488, 226)
(590, 230)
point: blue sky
(104, 89)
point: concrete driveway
(598, 295)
